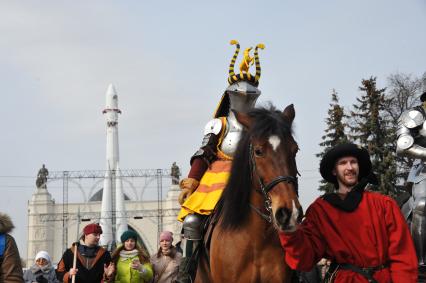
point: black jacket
(90, 270)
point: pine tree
(334, 134)
(372, 130)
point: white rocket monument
(113, 218)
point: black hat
(423, 97)
(347, 149)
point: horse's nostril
(282, 216)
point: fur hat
(127, 235)
(342, 150)
(92, 228)
(6, 224)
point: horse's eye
(258, 152)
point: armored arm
(208, 148)
(411, 125)
(201, 159)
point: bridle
(264, 190)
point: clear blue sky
(169, 62)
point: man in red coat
(363, 233)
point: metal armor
(191, 226)
(242, 98)
(232, 136)
(207, 150)
(412, 143)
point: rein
(264, 190)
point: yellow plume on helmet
(247, 61)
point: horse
(260, 198)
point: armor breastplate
(232, 136)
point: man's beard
(343, 179)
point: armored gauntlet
(188, 186)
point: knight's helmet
(242, 92)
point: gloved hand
(41, 279)
(188, 186)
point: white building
(45, 228)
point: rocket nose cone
(111, 90)
(111, 97)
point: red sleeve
(198, 167)
(402, 255)
(304, 247)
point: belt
(367, 272)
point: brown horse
(260, 198)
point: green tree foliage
(370, 128)
(373, 124)
(334, 133)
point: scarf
(45, 269)
(88, 251)
(352, 200)
(124, 255)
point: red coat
(375, 233)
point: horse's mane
(233, 205)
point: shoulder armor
(404, 142)
(412, 118)
(213, 127)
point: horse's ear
(289, 113)
(243, 119)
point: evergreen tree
(370, 128)
(334, 134)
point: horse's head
(273, 161)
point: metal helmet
(242, 92)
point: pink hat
(166, 235)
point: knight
(411, 142)
(211, 163)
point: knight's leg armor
(418, 230)
(192, 238)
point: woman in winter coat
(42, 271)
(131, 261)
(166, 261)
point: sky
(169, 61)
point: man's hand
(73, 271)
(188, 186)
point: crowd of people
(87, 262)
